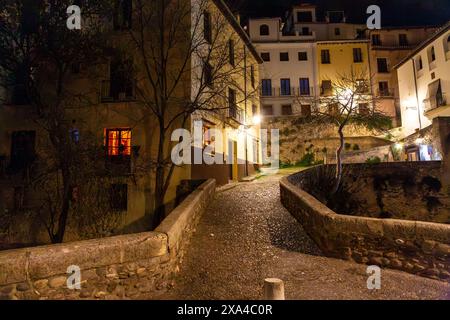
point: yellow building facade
(336, 59)
(125, 134)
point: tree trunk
(159, 183)
(339, 160)
(62, 221)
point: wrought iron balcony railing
(118, 91)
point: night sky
(394, 12)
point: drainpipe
(417, 93)
(245, 109)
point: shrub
(306, 161)
(373, 160)
(356, 147)
(347, 146)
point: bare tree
(348, 101)
(37, 56)
(189, 57)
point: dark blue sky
(394, 12)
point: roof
(343, 41)
(425, 43)
(388, 28)
(237, 27)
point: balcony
(434, 104)
(286, 92)
(118, 91)
(297, 36)
(268, 92)
(119, 165)
(236, 114)
(394, 45)
(291, 92)
(386, 93)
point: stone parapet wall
(417, 247)
(120, 267)
(298, 136)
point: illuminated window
(118, 142)
(207, 134)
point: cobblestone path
(246, 235)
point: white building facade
(289, 74)
(424, 82)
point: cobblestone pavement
(246, 235)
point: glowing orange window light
(118, 142)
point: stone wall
(417, 247)
(120, 267)
(298, 137)
(400, 190)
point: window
(265, 56)
(19, 95)
(231, 51)
(306, 110)
(304, 87)
(432, 54)
(383, 88)
(357, 55)
(266, 87)
(362, 86)
(304, 16)
(419, 63)
(327, 88)
(207, 32)
(303, 56)
(268, 110)
(122, 14)
(435, 96)
(208, 75)
(285, 87)
(286, 110)
(118, 197)
(359, 33)
(447, 45)
(325, 56)
(231, 98)
(376, 40)
(118, 142)
(382, 65)
(403, 40)
(284, 56)
(120, 86)
(207, 134)
(264, 30)
(363, 108)
(22, 149)
(337, 31)
(252, 76)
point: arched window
(264, 30)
